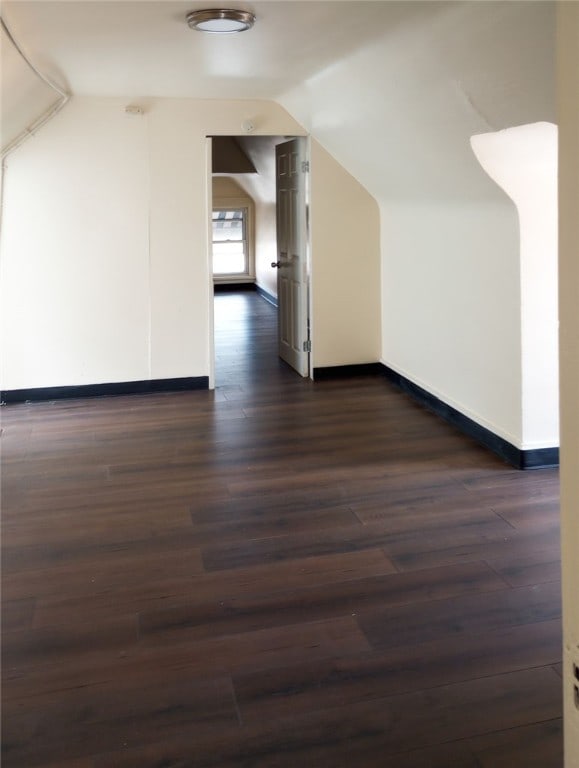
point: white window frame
(238, 204)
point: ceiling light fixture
(220, 21)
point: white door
(291, 264)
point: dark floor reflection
(246, 341)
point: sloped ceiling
(399, 112)
(261, 150)
(25, 96)
(229, 157)
(394, 90)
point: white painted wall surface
(568, 119)
(261, 187)
(105, 275)
(74, 275)
(345, 243)
(523, 162)
(345, 247)
(398, 114)
(265, 246)
(451, 306)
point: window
(230, 242)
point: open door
(291, 264)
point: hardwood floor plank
(535, 483)
(279, 577)
(368, 734)
(79, 530)
(52, 645)
(117, 601)
(108, 570)
(36, 557)
(223, 654)
(350, 598)
(120, 716)
(453, 755)
(289, 691)
(247, 613)
(17, 613)
(272, 524)
(419, 552)
(537, 515)
(400, 546)
(535, 568)
(82, 763)
(534, 746)
(276, 573)
(454, 615)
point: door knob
(276, 264)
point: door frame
(209, 238)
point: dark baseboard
(347, 371)
(233, 287)
(539, 458)
(266, 295)
(148, 386)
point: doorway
(245, 224)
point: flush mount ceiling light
(220, 21)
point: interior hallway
(279, 573)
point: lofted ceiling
(394, 90)
(145, 48)
(399, 112)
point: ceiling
(400, 111)
(144, 48)
(393, 90)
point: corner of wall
(345, 242)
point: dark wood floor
(279, 573)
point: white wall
(399, 114)
(261, 187)
(105, 275)
(265, 246)
(345, 247)
(451, 306)
(345, 243)
(112, 282)
(75, 251)
(523, 162)
(568, 118)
